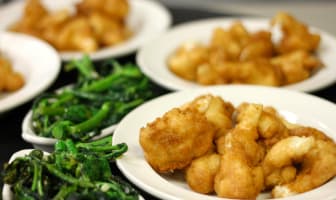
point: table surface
(10, 121)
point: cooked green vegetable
(72, 171)
(101, 96)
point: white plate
(296, 108)
(147, 19)
(37, 61)
(6, 191)
(152, 57)
(45, 143)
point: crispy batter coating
(296, 65)
(258, 72)
(240, 175)
(284, 154)
(236, 178)
(318, 164)
(172, 142)
(271, 127)
(200, 175)
(216, 110)
(186, 59)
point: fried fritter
(271, 127)
(259, 72)
(296, 35)
(296, 66)
(317, 160)
(216, 110)
(200, 175)
(186, 59)
(240, 174)
(172, 141)
(231, 41)
(237, 177)
(284, 154)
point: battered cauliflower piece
(231, 40)
(296, 35)
(216, 110)
(296, 65)
(317, 167)
(200, 175)
(245, 133)
(240, 174)
(258, 72)
(258, 46)
(237, 177)
(271, 127)
(186, 59)
(284, 154)
(171, 142)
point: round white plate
(147, 19)
(296, 107)
(37, 61)
(152, 58)
(6, 191)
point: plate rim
(161, 194)
(168, 83)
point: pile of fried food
(93, 25)
(235, 55)
(10, 80)
(238, 152)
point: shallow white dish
(147, 19)
(152, 57)
(37, 61)
(6, 192)
(45, 143)
(296, 108)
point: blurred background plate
(147, 19)
(152, 58)
(37, 61)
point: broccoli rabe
(101, 96)
(72, 171)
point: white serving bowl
(46, 143)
